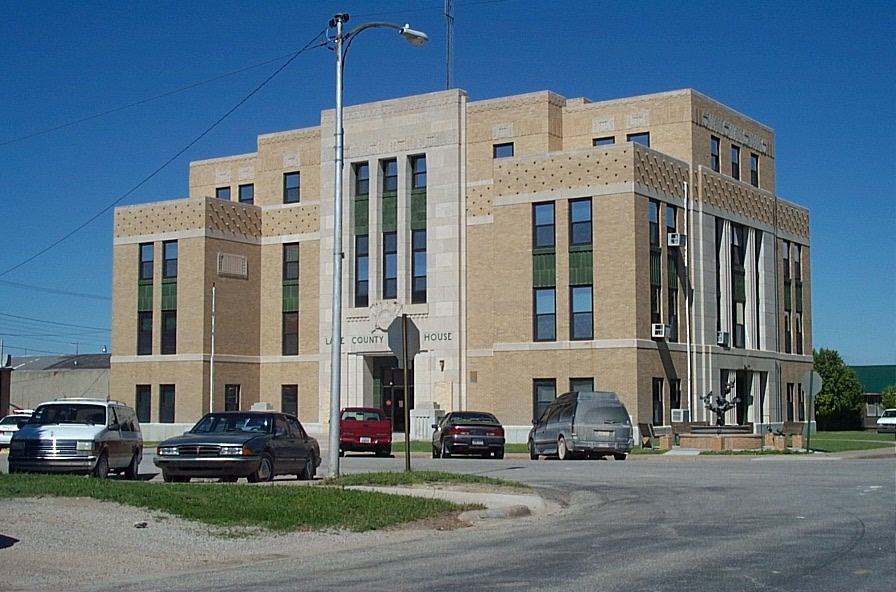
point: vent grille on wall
(233, 265)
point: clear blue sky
(821, 74)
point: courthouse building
(539, 245)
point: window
(290, 300)
(603, 141)
(502, 150)
(654, 224)
(390, 176)
(143, 403)
(166, 403)
(146, 257)
(390, 265)
(544, 391)
(798, 326)
(169, 332)
(418, 244)
(714, 153)
(543, 214)
(580, 385)
(735, 162)
(169, 257)
(754, 170)
(290, 261)
(223, 193)
(675, 394)
(144, 333)
(291, 185)
(545, 314)
(797, 268)
(639, 138)
(800, 403)
(247, 194)
(738, 284)
(289, 399)
(231, 397)
(787, 332)
(362, 279)
(581, 312)
(290, 344)
(418, 172)
(785, 254)
(580, 222)
(658, 402)
(790, 401)
(671, 215)
(362, 179)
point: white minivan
(86, 436)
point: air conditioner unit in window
(681, 415)
(676, 239)
(658, 330)
(723, 338)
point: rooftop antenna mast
(449, 44)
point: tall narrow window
(658, 416)
(580, 221)
(790, 401)
(143, 403)
(654, 224)
(169, 332)
(544, 391)
(675, 394)
(656, 263)
(502, 150)
(169, 256)
(144, 300)
(390, 265)
(169, 298)
(735, 162)
(418, 229)
(714, 153)
(231, 397)
(144, 333)
(290, 304)
(671, 217)
(739, 284)
(605, 141)
(545, 314)
(361, 228)
(166, 403)
(639, 138)
(390, 176)
(222, 193)
(581, 311)
(543, 214)
(289, 399)
(146, 261)
(754, 170)
(247, 193)
(291, 185)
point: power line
(54, 291)
(173, 158)
(52, 322)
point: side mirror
(115, 427)
(535, 422)
(435, 426)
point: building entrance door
(391, 386)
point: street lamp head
(415, 38)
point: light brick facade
(477, 323)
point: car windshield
(11, 419)
(473, 418)
(889, 413)
(84, 413)
(603, 414)
(216, 423)
(363, 415)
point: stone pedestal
(775, 441)
(665, 442)
(796, 441)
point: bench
(648, 436)
(790, 428)
(684, 427)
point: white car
(886, 423)
(10, 424)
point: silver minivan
(583, 424)
(86, 436)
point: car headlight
(166, 450)
(231, 451)
(84, 446)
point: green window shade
(739, 283)
(673, 270)
(291, 296)
(144, 296)
(169, 294)
(799, 297)
(656, 268)
(581, 268)
(362, 215)
(390, 212)
(788, 298)
(418, 209)
(544, 270)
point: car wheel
(533, 453)
(101, 470)
(619, 455)
(265, 470)
(562, 450)
(384, 452)
(446, 452)
(309, 470)
(130, 473)
(499, 454)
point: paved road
(659, 524)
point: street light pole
(417, 39)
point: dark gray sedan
(468, 432)
(228, 445)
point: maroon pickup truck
(364, 429)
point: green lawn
(845, 441)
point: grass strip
(394, 479)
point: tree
(839, 404)
(888, 397)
